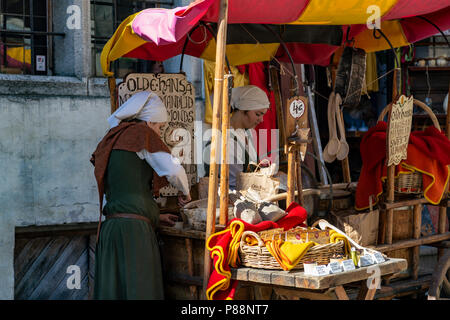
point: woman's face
(254, 117)
(156, 126)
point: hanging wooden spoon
(344, 148)
(329, 153)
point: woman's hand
(168, 219)
(183, 200)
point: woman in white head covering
(131, 164)
(249, 104)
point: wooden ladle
(344, 148)
(332, 147)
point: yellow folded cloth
(336, 237)
(294, 252)
(288, 254)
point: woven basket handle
(253, 234)
(419, 104)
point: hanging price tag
(378, 257)
(335, 267)
(348, 265)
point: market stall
(227, 34)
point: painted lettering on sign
(178, 95)
(399, 129)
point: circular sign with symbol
(297, 108)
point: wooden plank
(315, 282)
(37, 270)
(185, 233)
(25, 258)
(61, 292)
(57, 272)
(403, 203)
(260, 276)
(67, 229)
(412, 242)
(283, 279)
(291, 294)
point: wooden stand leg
(192, 288)
(365, 293)
(417, 222)
(390, 199)
(382, 227)
(340, 293)
(389, 225)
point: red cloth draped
(428, 153)
(224, 246)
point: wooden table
(295, 284)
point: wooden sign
(400, 118)
(178, 96)
(296, 114)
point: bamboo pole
(218, 83)
(290, 176)
(224, 169)
(391, 170)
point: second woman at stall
(249, 104)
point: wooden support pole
(417, 223)
(390, 199)
(391, 168)
(291, 176)
(224, 169)
(218, 89)
(441, 226)
(298, 165)
(278, 105)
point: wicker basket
(411, 183)
(259, 257)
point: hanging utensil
(343, 148)
(332, 147)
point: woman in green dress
(131, 164)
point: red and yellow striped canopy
(312, 30)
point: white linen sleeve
(166, 165)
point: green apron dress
(127, 258)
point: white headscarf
(145, 105)
(249, 98)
